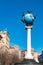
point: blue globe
(28, 17)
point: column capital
(28, 27)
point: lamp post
(28, 19)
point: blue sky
(10, 19)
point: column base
(28, 56)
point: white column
(28, 55)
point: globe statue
(28, 18)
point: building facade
(4, 39)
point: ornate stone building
(11, 54)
